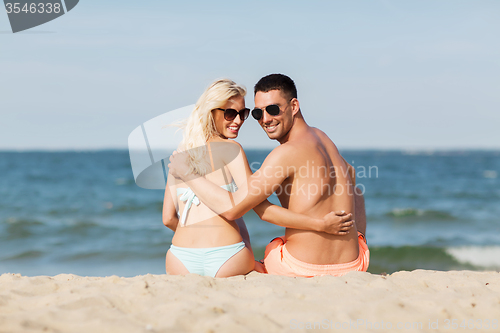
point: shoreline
(255, 302)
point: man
(309, 176)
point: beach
(420, 300)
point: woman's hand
(178, 165)
(337, 223)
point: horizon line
(387, 149)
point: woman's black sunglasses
(230, 114)
(272, 109)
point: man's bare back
(312, 190)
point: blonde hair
(200, 126)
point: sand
(358, 302)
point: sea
(81, 212)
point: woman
(204, 242)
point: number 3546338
(33, 8)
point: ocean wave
(82, 229)
(133, 207)
(16, 228)
(479, 256)
(490, 174)
(393, 195)
(22, 221)
(32, 254)
(124, 181)
(391, 259)
(61, 211)
(113, 255)
(402, 213)
(475, 195)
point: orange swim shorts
(279, 261)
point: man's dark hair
(277, 82)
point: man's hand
(337, 223)
(178, 165)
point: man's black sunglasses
(230, 114)
(272, 109)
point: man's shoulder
(323, 136)
(285, 149)
(318, 132)
(326, 141)
(289, 153)
(281, 154)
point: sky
(372, 74)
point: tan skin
(210, 229)
(311, 194)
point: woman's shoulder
(225, 150)
(224, 145)
(223, 141)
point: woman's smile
(234, 129)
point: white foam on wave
(490, 174)
(484, 256)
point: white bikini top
(187, 195)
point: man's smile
(270, 128)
